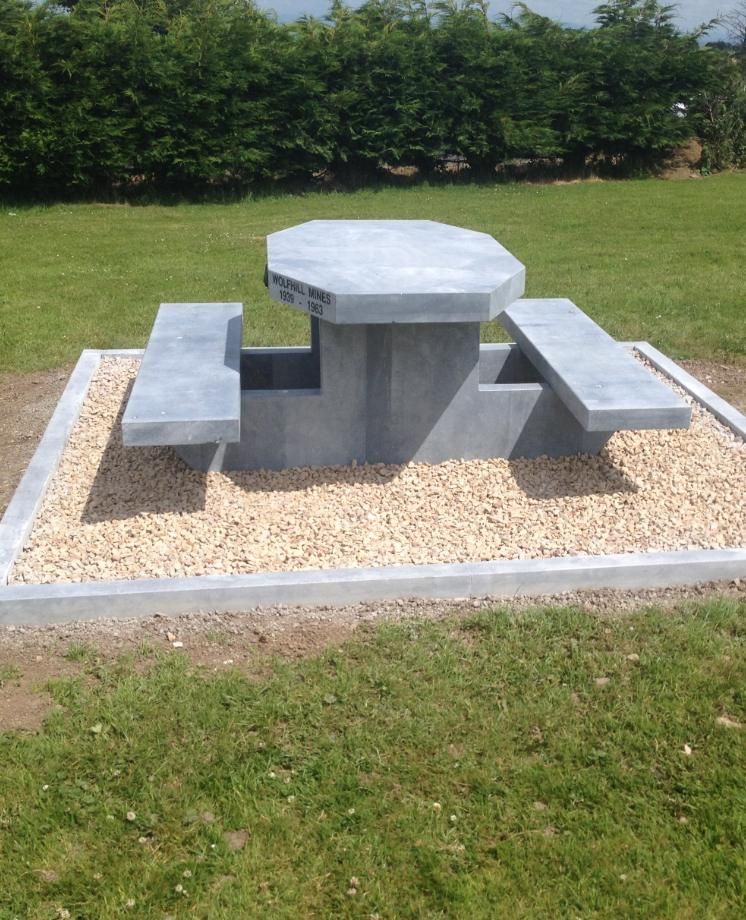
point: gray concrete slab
(398, 393)
(603, 386)
(188, 388)
(391, 271)
(283, 428)
(502, 579)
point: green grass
(8, 672)
(662, 261)
(80, 652)
(568, 799)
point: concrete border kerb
(722, 410)
(19, 516)
(54, 603)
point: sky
(689, 13)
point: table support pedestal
(395, 393)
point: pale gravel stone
(115, 513)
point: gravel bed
(112, 513)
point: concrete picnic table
(395, 371)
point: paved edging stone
(52, 603)
(722, 410)
(19, 516)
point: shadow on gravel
(302, 478)
(131, 481)
(569, 477)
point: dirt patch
(27, 403)
(31, 657)
(23, 707)
(24, 675)
(727, 380)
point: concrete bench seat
(604, 386)
(188, 388)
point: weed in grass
(81, 652)
(146, 650)
(218, 636)
(9, 672)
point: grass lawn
(513, 764)
(467, 768)
(649, 259)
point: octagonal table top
(391, 271)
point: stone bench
(599, 381)
(188, 388)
